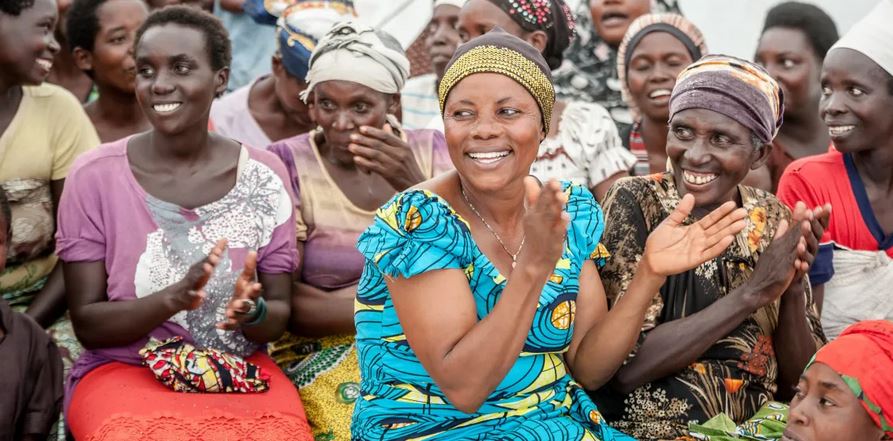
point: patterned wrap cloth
(300, 27)
(417, 232)
(502, 53)
(736, 88)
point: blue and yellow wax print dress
(417, 232)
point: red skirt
(118, 401)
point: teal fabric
(417, 232)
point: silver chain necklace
(514, 256)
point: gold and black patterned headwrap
(504, 54)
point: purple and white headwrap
(732, 87)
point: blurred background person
(270, 108)
(101, 35)
(795, 39)
(656, 48)
(418, 99)
(590, 72)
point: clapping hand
(545, 223)
(246, 293)
(813, 224)
(673, 248)
(191, 288)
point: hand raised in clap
(673, 248)
(190, 292)
(545, 223)
(246, 293)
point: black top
(30, 377)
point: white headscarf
(354, 52)
(457, 3)
(873, 36)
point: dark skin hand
(320, 313)
(382, 152)
(100, 323)
(672, 346)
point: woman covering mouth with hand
(481, 294)
(356, 160)
(729, 334)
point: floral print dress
(737, 375)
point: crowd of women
(580, 225)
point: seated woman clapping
(177, 232)
(481, 294)
(730, 334)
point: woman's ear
(762, 154)
(221, 79)
(394, 104)
(83, 59)
(538, 39)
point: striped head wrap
(673, 24)
(732, 87)
(357, 53)
(502, 53)
(300, 27)
(863, 357)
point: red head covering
(863, 356)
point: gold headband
(508, 62)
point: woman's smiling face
(651, 75)
(176, 82)
(857, 96)
(27, 43)
(493, 128)
(711, 154)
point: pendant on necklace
(514, 263)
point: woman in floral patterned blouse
(708, 344)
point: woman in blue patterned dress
(481, 294)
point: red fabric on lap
(119, 401)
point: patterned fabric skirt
(327, 374)
(768, 424)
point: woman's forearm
(319, 313)
(608, 343)
(106, 323)
(672, 346)
(466, 377)
(49, 303)
(793, 340)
